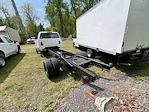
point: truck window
(1, 41)
(49, 35)
(8, 40)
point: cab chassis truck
(74, 62)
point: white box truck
(114, 27)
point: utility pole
(21, 26)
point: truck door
(4, 46)
(12, 48)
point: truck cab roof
(47, 32)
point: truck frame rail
(74, 62)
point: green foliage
(30, 20)
(23, 37)
(31, 29)
(1, 22)
(49, 106)
(55, 10)
(10, 21)
(41, 27)
(62, 15)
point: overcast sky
(38, 5)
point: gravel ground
(133, 96)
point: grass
(25, 87)
(138, 72)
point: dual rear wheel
(51, 67)
(90, 53)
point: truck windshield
(49, 35)
(1, 41)
(8, 40)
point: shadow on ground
(139, 71)
(11, 63)
(64, 74)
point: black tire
(90, 53)
(56, 65)
(51, 67)
(2, 60)
(48, 68)
(37, 51)
(19, 50)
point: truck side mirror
(15, 41)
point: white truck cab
(7, 48)
(47, 40)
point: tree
(62, 15)
(74, 7)
(54, 11)
(77, 6)
(10, 21)
(1, 22)
(30, 19)
(31, 29)
(40, 27)
(6, 14)
(87, 4)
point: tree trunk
(61, 22)
(74, 9)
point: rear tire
(90, 53)
(51, 67)
(2, 60)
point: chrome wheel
(89, 53)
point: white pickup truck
(7, 48)
(47, 40)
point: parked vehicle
(47, 40)
(31, 40)
(115, 27)
(7, 48)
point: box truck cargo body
(11, 33)
(115, 27)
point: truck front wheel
(19, 50)
(2, 60)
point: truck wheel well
(1, 52)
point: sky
(38, 5)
